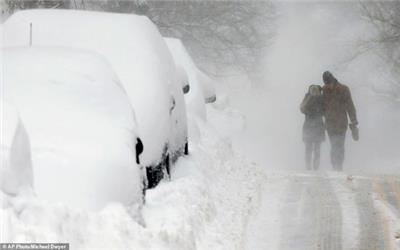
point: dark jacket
(313, 127)
(338, 104)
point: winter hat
(314, 90)
(327, 77)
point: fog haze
(312, 38)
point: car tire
(186, 148)
(167, 167)
(156, 173)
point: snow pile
(215, 189)
(80, 123)
(204, 206)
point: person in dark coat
(313, 129)
(338, 105)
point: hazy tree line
(385, 17)
(125, 6)
(222, 36)
(230, 36)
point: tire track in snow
(388, 209)
(392, 193)
(311, 217)
(382, 204)
(344, 191)
(263, 228)
(330, 219)
(312, 210)
(293, 220)
(371, 230)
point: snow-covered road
(327, 211)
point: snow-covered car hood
(81, 125)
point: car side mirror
(186, 88)
(183, 79)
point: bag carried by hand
(354, 132)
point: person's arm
(350, 108)
(304, 104)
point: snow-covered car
(139, 56)
(15, 152)
(81, 126)
(202, 87)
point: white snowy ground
(217, 200)
(326, 210)
(206, 205)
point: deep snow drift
(212, 190)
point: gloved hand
(353, 125)
(354, 131)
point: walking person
(338, 105)
(313, 128)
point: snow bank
(204, 206)
(15, 152)
(208, 87)
(80, 123)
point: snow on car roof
(179, 53)
(130, 42)
(182, 57)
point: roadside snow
(263, 232)
(206, 205)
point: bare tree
(221, 35)
(385, 17)
(10, 6)
(118, 6)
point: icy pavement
(327, 211)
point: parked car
(81, 125)
(202, 87)
(15, 152)
(141, 59)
